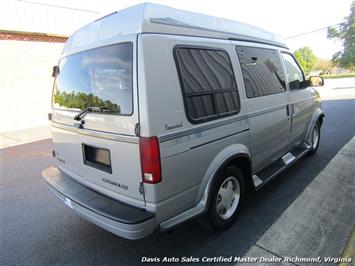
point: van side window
(262, 71)
(294, 73)
(207, 82)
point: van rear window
(101, 77)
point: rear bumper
(119, 218)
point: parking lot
(37, 228)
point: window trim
(300, 68)
(101, 113)
(184, 94)
(241, 68)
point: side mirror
(55, 71)
(316, 81)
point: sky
(286, 18)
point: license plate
(97, 157)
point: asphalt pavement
(37, 228)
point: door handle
(288, 110)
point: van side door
(301, 102)
(267, 104)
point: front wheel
(226, 198)
(315, 138)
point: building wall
(26, 82)
(27, 36)
(32, 35)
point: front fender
(222, 158)
(318, 114)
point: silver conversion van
(161, 115)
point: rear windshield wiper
(100, 109)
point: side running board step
(266, 174)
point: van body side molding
(194, 130)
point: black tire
(213, 216)
(315, 146)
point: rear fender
(222, 159)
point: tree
(81, 100)
(345, 33)
(323, 65)
(305, 58)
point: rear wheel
(315, 138)
(226, 198)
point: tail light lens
(150, 159)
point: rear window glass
(100, 77)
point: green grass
(339, 76)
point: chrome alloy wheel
(228, 197)
(315, 136)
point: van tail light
(150, 159)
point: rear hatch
(94, 119)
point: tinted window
(293, 71)
(100, 77)
(262, 71)
(208, 83)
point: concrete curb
(349, 250)
(318, 223)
